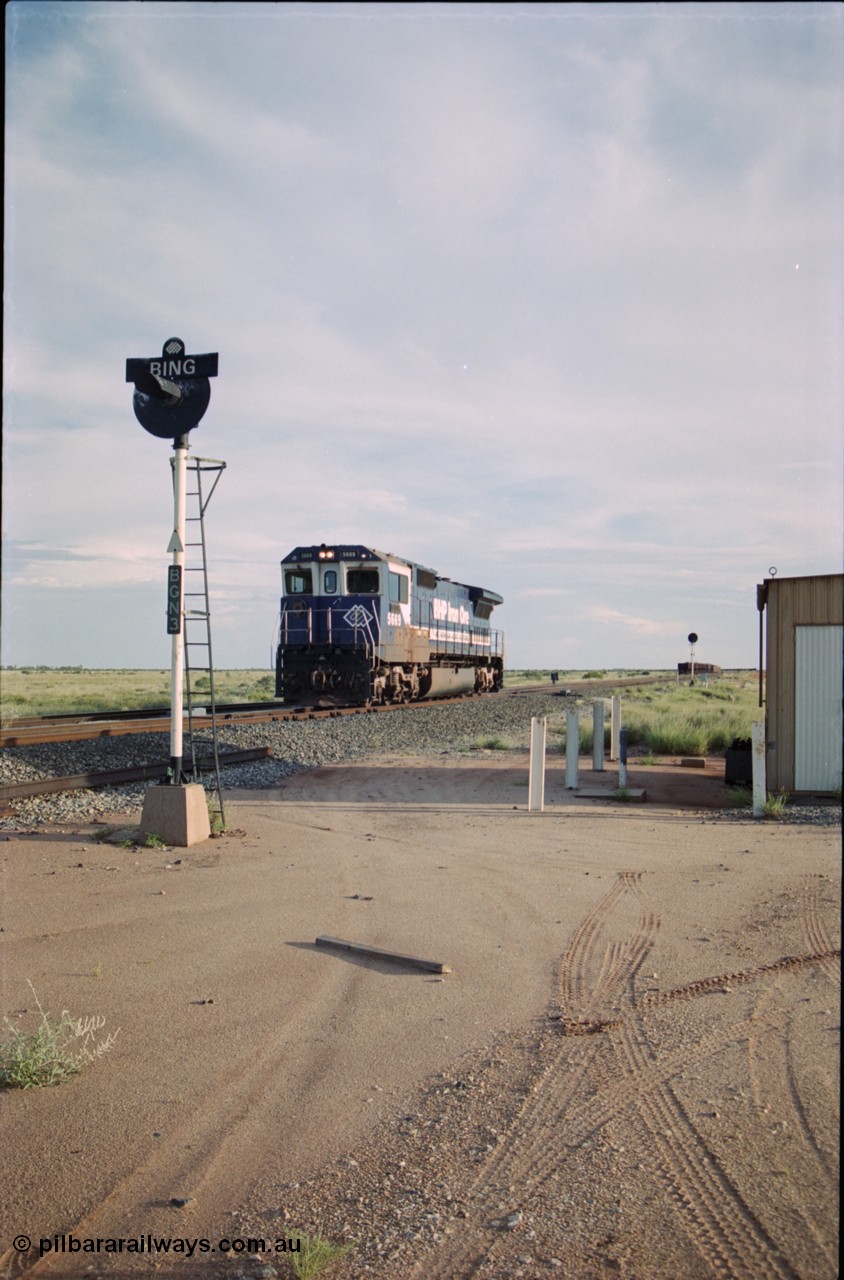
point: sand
(630, 1069)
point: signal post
(171, 395)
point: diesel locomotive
(358, 626)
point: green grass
(669, 719)
(53, 1052)
(688, 720)
(774, 807)
(43, 691)
(315, 1254)
(493, 743)
(542, 675)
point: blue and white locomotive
(361, 627)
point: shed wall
(792, 603)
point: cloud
(641, 626)
(510, 290)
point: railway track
(114, 777)
(90, 726)
(114, 724)
(84, 726)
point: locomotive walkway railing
(343, 626)
(357, 626)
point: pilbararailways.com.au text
(150, 1243)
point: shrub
(47, 1056)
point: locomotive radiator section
(361, 627)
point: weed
(739, 797)
(774, 807)
(315, 1253)
(215, 814)
(623, 794)
(493, 744)
(97, 971)
(153, 841)
(45, 1056)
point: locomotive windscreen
(362, 582)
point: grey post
(598, 736)
(572, 748)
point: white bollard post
(536, 774)
(760, 793)
(598, 736)
(615, 727)
(572, 749)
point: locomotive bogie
(359, 626)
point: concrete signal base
(179, 815)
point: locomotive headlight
(325, 554)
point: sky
(546, 297)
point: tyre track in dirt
(777, 1094)
(596, 994)
(605, 1108)
(530, 1151)
(815, 931)
(721, 1225)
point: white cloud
(509, 290)
(641, 626)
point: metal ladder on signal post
(197, 614)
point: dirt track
(631, 1069)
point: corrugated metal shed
(805, 657)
